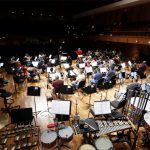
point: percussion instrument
(103, 143)
(48, 138)
(147, 121)
(109, 126)
(87, 147)
(66, 134)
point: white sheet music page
(88, 69)
(61, 107)
(123, 65)
(102, 107)
(94, 63)
(63, 58)
(82, 65)
(35, 63)
(103, 70)
(66, 65)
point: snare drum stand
(59, 144)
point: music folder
(102, 107)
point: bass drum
(66, 134)
(87, 147)
(48, 138)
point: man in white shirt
(79, 78)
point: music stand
(66, 89)
(34, 91)
(62, 110)
(89, 90)
(102, 107)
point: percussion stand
(90, 90)
(59, 144)
(36, 112)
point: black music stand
(22, 115)
(62, 110)
(34, 91)
(66, 89)
(89, 90)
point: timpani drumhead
(87, 147)
(103, 143)
(66, 134)
(49, 138)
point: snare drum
(66, 134)
(103, 143)
(87, 147)
(48, 138)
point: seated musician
(111, 73)
(142, 69)
(57, 84)
(96, 77)
(134, 86)
(80, 77)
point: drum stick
(90, 126)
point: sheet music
(53, 61)
(134, 74)
(102, 107)
(1, 65)
(35, 58)
(50, 56)
(61, 107)
(80, 56)
(66, 65)
(63, 58)
(94, 64)
(88, 69)
(103, 70)
(49, 69)
(123, 65)
(53, 76)
(82, 65)
(72, 73)
(129, 62)
(120, 76)
(35, 63)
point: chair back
(135, 107)
(100, 82)
(81, 84)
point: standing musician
(79, 52)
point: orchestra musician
(96, 77)
(79, 52)
(57, 84)
(79, 78)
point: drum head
(87, 147)
(103, 143)
(48, 137)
